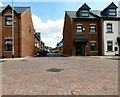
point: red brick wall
(7, 34)
(27, 34)
(91, 37)
(24, 43)
(67, 36)
(100, 37)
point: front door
(80, 49)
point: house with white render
(119, 26)
(111, 20)
(119, 6)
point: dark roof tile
(18, 10)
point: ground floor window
(109, 46)
(93, 46)
(8, 45)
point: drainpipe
(119, 49)
(19, 35)
(12, 30)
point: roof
(93, 14)
(73, 15)
(85, 6)
(18, 10)
(60, 44)
(98, 12)
(37, 36)
(111, 6)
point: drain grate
(55, 70)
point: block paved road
(78, 76)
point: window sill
(7, 51)
(93, 33)
(8, 26)
(109, 32)
(93, 51)
(79, 33)
(109, 51)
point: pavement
(61, 55)
(60, 76)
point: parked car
(42, 52)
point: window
(112, 12)
(8, 21)
(85, 13)
(92, 28)
(109, 46)
(79, 28)
(93, 46)
(109, 27)
(29, 29)
(8, 45)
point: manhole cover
(55, 70)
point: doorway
(80, 49)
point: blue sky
(56, 10)
(48, 17)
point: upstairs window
(84, 13)
(109, 28)
(8, 45)
(92, 28)
(8, 21)
(79, 28)
(112, 12)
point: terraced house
(23, 32)
(110, 22)
(91, 32)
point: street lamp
(12, 30)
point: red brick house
(38, 44)
(23, 32)
(80, 32)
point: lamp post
(12, 30)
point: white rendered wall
(110, 37)
(119, 6)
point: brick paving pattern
(78, 76)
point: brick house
(84, 31)
(38, 44)
(80, 32)
(23, 32)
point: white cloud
(51, 31)
(1, 4)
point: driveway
(60, 76)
